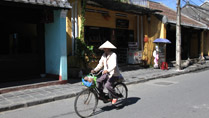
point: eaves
(120, 6)
(54, 4)
(188, 25)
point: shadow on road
(129, 101)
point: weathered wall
(108, 21)
(206, 43)
(55, 46)
(153, 29)
(76, 7)
(194, 46)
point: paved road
(183, 96)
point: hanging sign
(122, 23)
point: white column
(73, 29)
(76, 18)
(76, 23)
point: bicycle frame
(93, 92)
(95, 89)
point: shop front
(22, 43)
(190, 44)
(120, 23)
(119, 37)
(117, 27)
(25, 39)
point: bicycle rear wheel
(85, 103)
(122, 92)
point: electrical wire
(201, 1)
(195, 3)
(197, 14)
(193, 15)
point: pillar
(56, 46)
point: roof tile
(56, 3)
(171, 15)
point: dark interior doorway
(22, 44)
(96, 36)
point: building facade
(33, 40)
(120, 23)
(191, 33)
(201, 14)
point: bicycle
(87, 100)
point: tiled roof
(171, 16)
(205, 5)
(199, 13)
(63, 4)
(119, 6)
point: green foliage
(83, 19)
(84, 52)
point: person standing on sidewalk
(110, 72)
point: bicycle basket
(89, 81)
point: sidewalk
(35, 96)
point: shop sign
(122, 23)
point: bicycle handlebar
(96, 74)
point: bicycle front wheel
(85, 103)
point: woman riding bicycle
(110, 72)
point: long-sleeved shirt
(109, 63)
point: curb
(167, 75)
(37, 102)
(61, 97)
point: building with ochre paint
(117, 22)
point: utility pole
(178, 37)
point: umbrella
(160, 40)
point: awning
(56, 4)
(120, 6)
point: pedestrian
(110, 72)
(156, 57)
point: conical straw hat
(107, 44)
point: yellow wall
(202, 44)
(69, 24)
(72, 60)
(153, 29)
(206, 43)
(98, 20)
(194, 45)
(69, 32)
